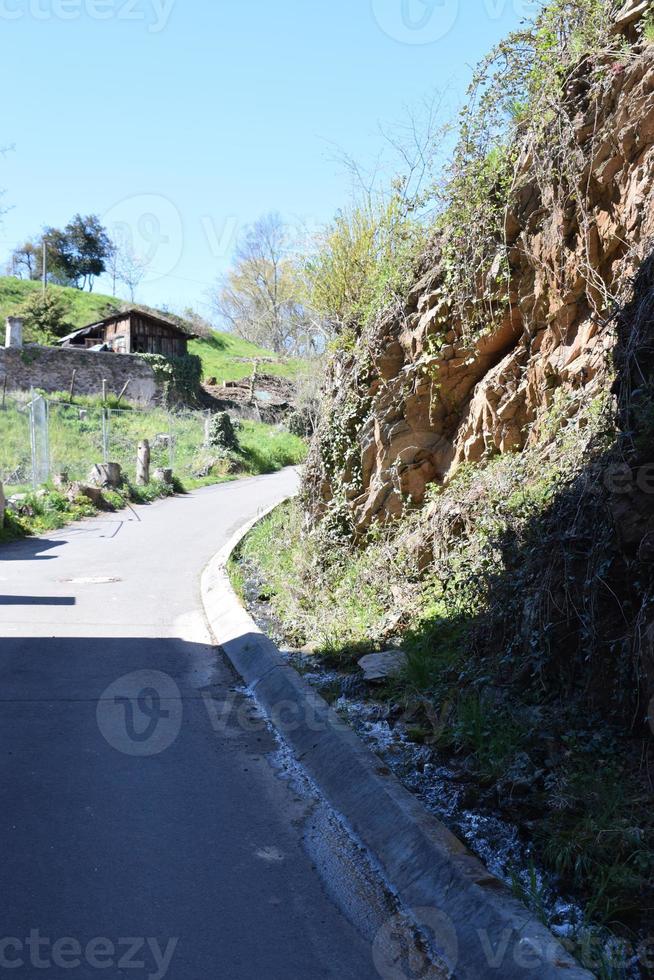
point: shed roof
(146, 315)
(84, 332)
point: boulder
(94, 494)
(19, 505)
(381, 666)
(162, 475)
(108, 475)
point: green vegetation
(337, 603)
(47, 511)
(364, 263)
(485, 606)
(78, 432)
(227, 357)
(81, 308)
(179, 377)
(520, 108)
(266, 449)
(222, 434)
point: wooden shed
(131, 332)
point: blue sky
(181, 121)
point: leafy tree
(363, 261)
(60, 265)
(87, 247)
(45, 317)
(75, 255)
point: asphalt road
(147, 825)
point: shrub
(45, 317)
(222, 434)
(180, 376)
(365, 261)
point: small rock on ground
(380, 666)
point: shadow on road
(36, 600)
(29, 549)
(138, 772)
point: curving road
(148, 825)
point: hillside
(83, 307)
(223, 355)
(228, 358)
(478, 496)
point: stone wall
(51, 369)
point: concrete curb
(478, 928)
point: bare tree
(125, 266)
(260, 298)
(26, 259)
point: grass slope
(224, 356)
(84, 307)
(227, 357)
(177, 439)
(75, 444)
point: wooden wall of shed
(149, 337)
(120, 328)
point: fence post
(39, 415)
(143, 464)
(171, 442)
(105, 434)
(33, 439)
(46, 439)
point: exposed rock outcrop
(419, 396)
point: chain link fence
(41, 438)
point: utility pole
(45, 267)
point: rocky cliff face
(419, 396)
